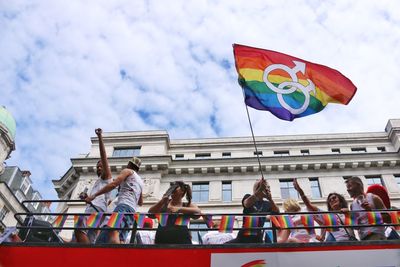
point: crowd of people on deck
(130, 186)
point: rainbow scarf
(94, 219)
(115, 220)
(330, 220)
(394, 216)
(250, 222)
(60, 221)
(162, 219)
(182, 220)
(139, 219)
(208, 220)
(78, 221)
(374, 218)
(308, 222)
(287, 86)
(226, 225)
(350, 218)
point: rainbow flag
(226, 224)
(115, 220)
(79, 221)
(285, 221)
(94, 219)
(287, 86)
(182, 220)
(330, 220)
(374, 217)
(394, 215)
(162, 218)
(250, 222)
(208, 220)
(308, 222)
(350, 218)
(60, 221)
(139, 219)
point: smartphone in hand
(171, 190)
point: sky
(68, 67)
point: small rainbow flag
(275, 221)
(182, 220)
(287, 86)
(208, 220)
(250, 222)
(78, 221)
(139, 219)
(115, 220)
(162, 218)
(227, 222)
(285, 221)
(94, 219)
(374, 218)
(308, 222)
(330, 220)
(60, 221)
(394, 215)
(350, 218)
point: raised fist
(98, 131)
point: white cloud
(67, 68)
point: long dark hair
(342, 201)
(188, 191)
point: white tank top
(130, 190)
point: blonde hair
(291, 205)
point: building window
(260, 153)
(381, 148)
(202, 155)
(397, 178)
(3, 212)
(20, 196)
(126, 151)
(315, 189)
(179, 156)
(305, 152)
(36, 196)
(226, 154)
(335, 150)
(197, 236)
(227, 191)
(287, 189)
(358, 149)
(374, 180)
(282, 152)
(200, 192)
(25, 185)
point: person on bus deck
(214, 237)
(172, 203)
(366, 202)
(259, 202)
(129, 198)
(334, 202)
(100, 204)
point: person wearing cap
(129, 197)
(99, 204)
(363, 201)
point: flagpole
(254, 140)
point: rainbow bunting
(115, 220)
(226, 224)
(250, 222)
(78, 221)
(60, 221)
(139, 219)
(374, 217)
(182, 220)
(285, 221)
(162, 219)
(394, 215)
(287, 86)
(94, 219)
(308, 222)
(330, 220)
(208, 220)
(350, 218)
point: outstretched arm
(114, 184)
(156, 208)
(305, 199)
(106, 172)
